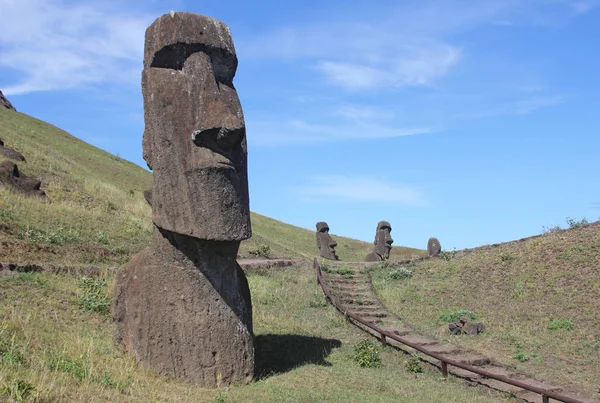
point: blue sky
(475, 121)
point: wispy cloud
(52, 45)
(529, 105)
(582, 7)
(523, 106)
(332, 188)
(274, 132)
(416, 68)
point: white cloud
(414, 68)
(296, 131)
(333, 188)
(582, 7)
(52, 45)
(530, 105)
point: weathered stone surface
(6, 103)
(148, 196)
(10, 153)
(383, 243)
(182, 309)
(325, 242)
(11, 177)
(433, 247)
(195, 136)
(466, 326)
(183, 306)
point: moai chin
(325, 242)
(182, 306)
(433, 247)
(383, 243)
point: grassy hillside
(56, 345)
(98, 214)
(538, 297)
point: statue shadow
(279, 353)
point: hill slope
(538, 297)
(98, 214)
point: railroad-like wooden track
(352, 293)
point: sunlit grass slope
(56, 345)
(98, 214)
(539, 299)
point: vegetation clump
(414, 365)
(400, 273)
(261, 251)
(573, 223)
(454, 316)
(94, 297)
(560, 324)
(366, 354)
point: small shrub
(573, 223)
(262, 250)
(522, 357)
(7, 214)
(102, 238)
(507, 257)
(344, 271)
(111, 206)
(454, 316)
(60, 236)
(94, 297)
(17, 390)
(560, 324)
(131, 192)
(447, 255)
(318, 301)
(10, 351)
(414, 365)
(400, 273)
(109, 382)
(551, 229)
(366, 354)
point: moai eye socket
(218, 139)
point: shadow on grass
(279, 353)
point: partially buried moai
(182, 306)
(325, 242)
(383, 243)
(433, 247)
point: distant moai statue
(325, 242)
(433, 247)
(383, 243)
(182, 306)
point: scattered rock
(325, 242)
(466, 326)
(383, 243)
(6, 103)
(433, 247)
(11, 177)
(10, 153)
(182, 306)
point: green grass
(56, 350)
(537, 297)
(98, 214)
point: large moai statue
(325, 242)
(383, 243)
(433, 247)
(182, 306)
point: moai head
(195, 136)
(433, 247)
(325, 242)
(383, 239)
